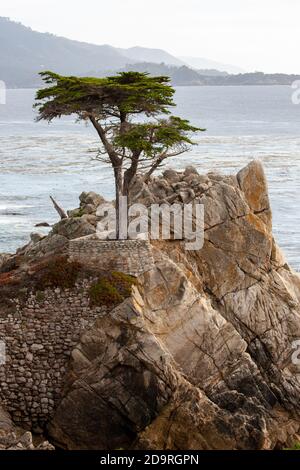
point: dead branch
(60, 210)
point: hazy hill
(179, 75)
(23, 53)
(144, 54)
(185, 76)
(201, 63)
(182, 75)
(249, 79)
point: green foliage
(111, 289)
(123, 282)
(154, 138)
(59, 273)
(112, 105)
(295, 446)
(104, 293)
(117, 96)
(79, 213)
(40, 296)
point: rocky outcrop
(199, 357)
(3, 258)
(14, 438)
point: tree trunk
(152, 169)
(121, 206)
(129, 175)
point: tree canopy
(116, 96)
(131, 114)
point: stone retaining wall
(39, 338)
(128, 256)
(40, 333)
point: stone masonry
(39, 339)
(128, 256)
(40, 333)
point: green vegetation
(40, 296)
(111, 289)
(79, 212)
(295, 446)
(125, 111)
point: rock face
(3, 258)
(200, 356)
(14, 438)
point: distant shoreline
(191, 85)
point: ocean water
(38, 159)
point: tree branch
(163, 156)
(131, 171)
(60, 210)
(107, 145)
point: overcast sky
(253, 34)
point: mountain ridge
(145, 54)
(25, 52)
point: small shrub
(40, 296)
(79, 213)
(123, 282)
(104, 293)
(295, 446)
(111, 289)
